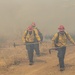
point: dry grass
(14, 61)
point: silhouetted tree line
(47, 37)
(3, 39)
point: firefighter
(60, 40)
(37, 50)
(29, 38)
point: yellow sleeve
(37, 35)
(53, 39)
(70, 38)
(24, 35)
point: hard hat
(33, 24)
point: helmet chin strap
(61, 32)
(30, 32)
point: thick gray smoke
(16, 15)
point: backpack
(40, 34)
(56, 40)
(27, 33)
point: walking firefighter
(29, 36)
(37, 50)
(60, 40)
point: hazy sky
(16, 15)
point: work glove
(74, 43)
(24, 42)
(40, 42)
(52, 45)
(56, 48)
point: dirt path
(46, 64)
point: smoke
(17, 15)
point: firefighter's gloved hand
(56, 48)
(53, 45)
(40, 42)
(74, 43)
(24, 42)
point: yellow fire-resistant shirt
(62, 39)
(30, 38)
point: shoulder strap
(57, 38)
(37, 29)
(26, 33)
(34, 32)
(58, 35)
(65, 34)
